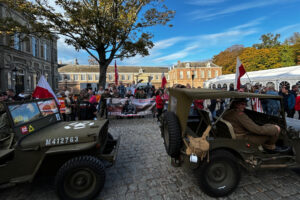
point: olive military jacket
(242, 124)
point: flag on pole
(116, 74)
(240, 71)
(163, 80)
(43, 90)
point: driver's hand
(278, 128)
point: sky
(204, 28)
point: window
(141, 71)
(75, 77)
(42, 51)
(45, 51)
(27, 44)
(216, 73)
(122, 77)
(188, 74)
(109, 77)
(83, 77)
(202, 74)
(29, 82)
(9, 80)
(156, 77)
(209, 74)
(195, 74)
(167, 76)
(129, 77)
(90, 77)
(33, 43)
(60, 77)
(97, 77)
(17, 43)
(181, 74)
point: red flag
(240, 71)
(116, 74)
(43, 90)
(163, 80)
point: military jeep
(218, 168)
(37, 141)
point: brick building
(82, 76)
(193, 73)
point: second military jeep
(38, 142)
(221, 157)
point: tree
(106, 29)
(268, 41)
(287, 56)
(294, 39)
(227, 58)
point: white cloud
(210, 14)
(204, 2)
(178, 55)
(289, 28)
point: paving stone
(273, 195)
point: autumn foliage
(260, 56)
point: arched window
(284, 83)
(298, 83)
(225, 86)
(270, 84)
(219, 85)
(214, 86)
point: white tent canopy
(279, 76)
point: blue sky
(203, 28)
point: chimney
(60, 62)
(76, 61)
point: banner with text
(130, 107)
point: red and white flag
(163, 80)
(240, 71)
(116, 74)
(43, 90)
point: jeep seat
(225, 129)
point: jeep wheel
(80, 178)
(171, 134)
(220, 176)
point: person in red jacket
(159, 104)
(297, 105)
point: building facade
(24, 58)
(193, 73)
(78, 77)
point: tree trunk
(102, 74)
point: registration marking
(61, 140)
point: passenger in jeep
(245, 128)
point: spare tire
(171, 133)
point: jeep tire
(171, 134)
(80, 178)
(220, 176)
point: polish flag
(163, 80)
(116, 74)
(43, 90)
(240, 71)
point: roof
(282, 73)
(111, 69)
(216, 94)
(196, 64)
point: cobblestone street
(143, 171)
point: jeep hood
(64, 133)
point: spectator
(103, 103)
(122, 90)
(294, 92)
(115, 93)
(140, 94)
(100, 91)
(273, 105)
(87, 111)
(70, 104)
(159, 104)
(288, 100)
(129, 94)
(297, 105)
(65, 90)
(92, 99)
(3, 96)
(11, 95)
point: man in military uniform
(103, 106)
(245, 128)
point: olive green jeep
(36, 141)
(208, 144)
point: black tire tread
(224, 155)
(175, 141)
(90, 161)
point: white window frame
(181, 74)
